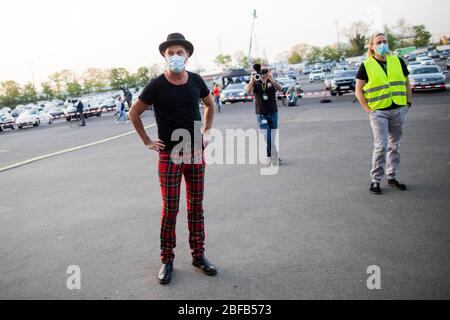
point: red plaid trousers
(170, 171)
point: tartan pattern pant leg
(170, 182)
(194, 176)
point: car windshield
(425, 70)
(30, 112)
(235, 86)
(348, 74)
(317, 71)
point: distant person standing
(383, 90)
(128, 96)
(266, 108)
(80, 113)
(120, 110)
(216, 94)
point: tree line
(357, 36)
(67, 83)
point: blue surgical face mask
(177, 63)
(382, 49)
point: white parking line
(5, 150)
(20, 164)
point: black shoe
(397, 185)
(165, 273)
(375, 188)
(205, 265)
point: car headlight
(412, 81)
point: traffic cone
(325, 98)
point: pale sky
(53, 35)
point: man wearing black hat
(266, 109)
(175, 96)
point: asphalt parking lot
(309, 232)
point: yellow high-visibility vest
(381, 89)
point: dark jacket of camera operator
(264, 91)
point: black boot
(205, 265)
(165, 273)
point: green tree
(421, 36)
(314, 55)
(357, 36)
(223, 60)
(94, 79)
(74, 89)
(10, 92)
(47, 90)
(295, 58)
(118, 77)
(404, 31)
(142, 76)
(241, 60)
(392, 39)
(330, 53)
(29, 92)
(259, 60)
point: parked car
(307, 70)
(56, 112)
(421, 56)
(316, 75)
(327, 81)
(433, 54)
(285, 84)
(234, 92)
(33, 118)
(5, 110)
(427, 61)
(445, 54)
(448, 63)
(343, 82)
(411, 57)
(427, 78)
(7, 121)
(107, 104)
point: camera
(259, 72)
(257, 68)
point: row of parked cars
(45, 112)
(235, 92)
(424, 75)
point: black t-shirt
(362, 75)
(265, 106)
(176, 107)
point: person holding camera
(264, 88)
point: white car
(316, 75)
(33, 118)
(427, 62)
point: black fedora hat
(174, 39)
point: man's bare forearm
(138, 125)
(409, 92)
(362, 100)
(208, 115)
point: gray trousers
(387, 126)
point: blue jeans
(217, 100)
(122, 114)
(267, 123)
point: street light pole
(338, 44)
(251, 36)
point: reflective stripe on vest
(381, 89)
